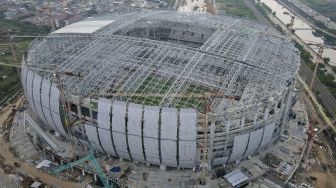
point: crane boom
(89, 158)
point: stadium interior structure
(164, 87)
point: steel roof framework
(239, 58)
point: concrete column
(211, 142)
(121, 159)
(163, 167)
(52, 157)
(62, 162)
(227, 135)
(266, 114)
(79, 110)
(242, 123)
(95, 177)
(83, 172)
(255, 118)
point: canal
(305, 35)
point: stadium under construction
(164, 88)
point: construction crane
(90, 158)
(66, 108)
(312, 133)
(319, 57)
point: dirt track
(10, 159)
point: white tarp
(254, 141)
(91, 133)
(187, 138)
(268, 133)
(169, 136)
(239, 147)
(104, 124)
(151, 134)
(55, 113)
(44, 163)
(119, 130)
(134, 132)
(236, 177)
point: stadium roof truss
(172, 54)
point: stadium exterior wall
(159, 136)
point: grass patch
(327, 79)
(154, 85)
(9, 77)
(235, 7)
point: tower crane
(319, 57)
(85, 161)
(312, 133)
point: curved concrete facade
(160, 136)
(133, 78)
(129, 131)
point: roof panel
(84, 26)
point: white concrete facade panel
(37, 96)
(104, 124)
(118, 129)
(104, 113)
(239, 147)
(45, 100)
(91, 133)
(151, 134)
(29, 83)
(169, 118)
(187, 138)
(134, 132)
(55, 113)
(106, 141)
(254, 141)
(268, 133)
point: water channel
(305, 35)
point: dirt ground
(10, 159)
(324, 179)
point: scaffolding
(171, 54)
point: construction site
(160, 99)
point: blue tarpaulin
(115, 169)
